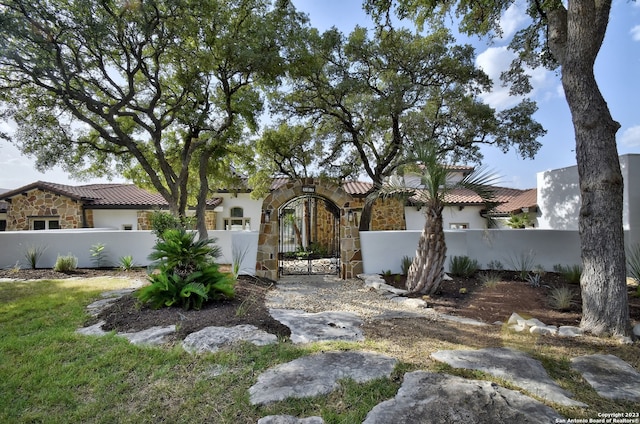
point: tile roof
(103, 195)
(525, 199)
(511, 200)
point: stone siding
(387, 214)
(44, 204)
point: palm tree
(428, 189)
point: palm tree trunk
(427, 269)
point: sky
(617, 72)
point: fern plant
(188, 275)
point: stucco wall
(383, 250)
(559, 197)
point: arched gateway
(305, 220)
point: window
(236, 220)
(45, 223)
(458, 226)
(127, 227)
(3, 225)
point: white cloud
(513, 19)
(631, 137)
(495, 60)
(635, 33)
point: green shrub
(633, 263)
(495, 265)
(126, 263)
(463, 266)
(98, 255)
(561, 298)
(67, 263)
(571, 273)
(522, 263)
(33, 255)
(188, 274)
(405, 264)
(490, 278)
(163, 221)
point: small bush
(188, 274)
(67, 263)
(405, 264)
(571, 273)
(126, 263)
(495, 265)
(633, 263)
(522, 263)
(490, 278)
(163, 221)
(33, 255)
(463, 266)
(561, 298)
(98, 255)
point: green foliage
(406, 264)
(490, 278)
(463, 266)
(98, 255)
(534, 279)
(522, 263)
(519, 221)
(33, 255)
(67, 263)
(186, 273)
(237, 257)
(561, 298)
(633, 262)
(571, 273)
(162, 221)
(495, 265)
(126, 263)
(387, 273)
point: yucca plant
(430, 188)
(33, 255)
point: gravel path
(327, 293)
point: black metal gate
(309, 241)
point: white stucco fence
(14, 245)
(384, 250)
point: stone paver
(513, 366)
(610, 376)
(318, 374)
(211, 339)
(321, 326)
(426, 397)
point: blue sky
(617, 72)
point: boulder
(211, 339)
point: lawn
(48, 373)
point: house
(559, 197)
(47, 206)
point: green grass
(48, 373)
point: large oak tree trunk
(427, 269)
(604, 293)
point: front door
(309, 241)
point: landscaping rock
(570, 331)
(426, 397)
(610, 376)
(513, 366)
(322, 326)
(211, 339)
(92, 330)
(318, 374)
(289, 419)
(636, 330)
(462, 320)
(150, 336)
